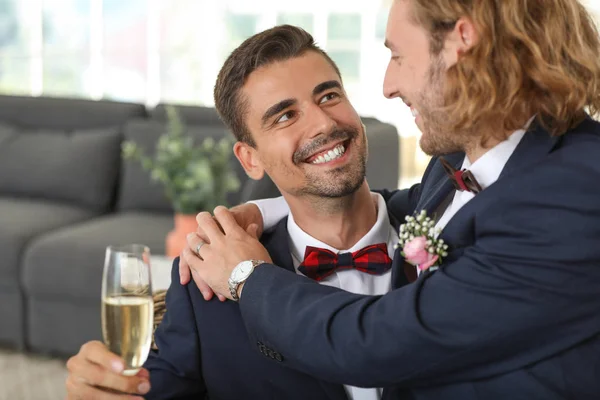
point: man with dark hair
(284, 100)
(508, 305)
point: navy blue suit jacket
(513, 313)
(205, 353)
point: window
(344, 27)
(381, 25)
(181, 52)
(344, 43)
(15, 57)
(305, 21)
(125, 49)
(238, 27)
(66, 47)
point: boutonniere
(419, 241)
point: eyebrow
(276, 109)
(321, 87)
(283, 104)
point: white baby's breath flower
(420, 225)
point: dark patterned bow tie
(320, 263)
(462, 180)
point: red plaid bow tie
(320, 263)
(462, 180)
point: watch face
(242, 271)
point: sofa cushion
(69, 262)
(77, 166)
(383, 166)
(137, 190)
(66, 114)
(22, 220)
(191, 115)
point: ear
(248, 157)
(463, 37)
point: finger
(184, 270)
(227, 220)
(222, 298)
(210, 227)
(253, 230)
(201, 234)
(96, 375)
(143, 373)
(77, 390)
(193, 241)
(206, 291)
(192, 259)
(195, 263)
(97, 353)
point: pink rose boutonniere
(420, 244)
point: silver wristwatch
(240, 273)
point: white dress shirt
(486, 170)
(350, 280)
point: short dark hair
(276, 44)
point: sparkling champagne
(127, 323)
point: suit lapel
(277, 244)
(534, 146)
(459, 232)
(439, 185)
(398, 277)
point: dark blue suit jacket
(513, 313)
(205, 353)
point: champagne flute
(127, 304)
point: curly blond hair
(537, 57)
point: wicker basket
(159, 311)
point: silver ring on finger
(199, 246)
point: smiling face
(308, 138)
(416, 74)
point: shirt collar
(379, 233)
(488, 167)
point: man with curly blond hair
(504, 93)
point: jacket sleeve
(175, 368)
(401, 202)
(524, 290)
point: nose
(321, 122)
(390, 87)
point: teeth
(331, 155)
(414, 112)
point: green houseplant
(195, 176)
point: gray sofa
(65, 194)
